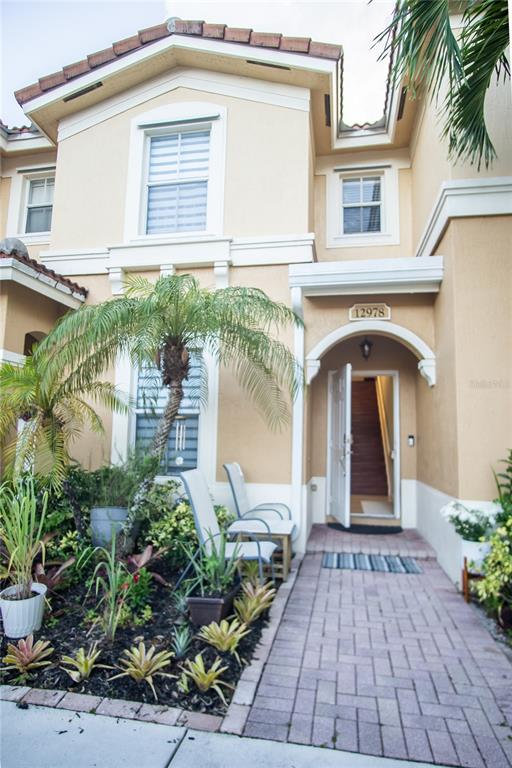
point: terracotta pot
(204, 610)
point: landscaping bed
(68, 629)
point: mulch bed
(67, 633)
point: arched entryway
(402, 364)
(425, 355)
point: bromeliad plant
(181, 640)
(143, 665)
(53, 576)
(21, 529)
(27, 656)
(204, 679)
(255, 600)
(83, 663)
(224, 636)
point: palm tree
(163, 323)
(427, 56)
(52, 405)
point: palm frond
(484, 41)
(427, 57)
(422, 45)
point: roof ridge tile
(174, 26)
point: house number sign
(369, 312)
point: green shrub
(496, 586)
(504, 485)
(175, 526)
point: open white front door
(340, 447)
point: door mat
(360, 562)
(376, 530)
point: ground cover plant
(116, 626)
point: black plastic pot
(204, 610)
(505, 616)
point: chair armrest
(274, 506)
(255, 519)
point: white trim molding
(23, 274)
(157, 120)
(368, 276)
(18, 199)
(362, 164)
(6, 356)
(426, 356)
(185, 251)
(463, 198)
(299, 496)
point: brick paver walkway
(408, 543)
(386, 664)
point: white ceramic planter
(475, 552)
(22, 617)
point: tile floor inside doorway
(385, 664)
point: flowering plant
(471, 524)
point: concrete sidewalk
(43, 737)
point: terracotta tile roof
(38, 267)
(14, 129)
(218, 32)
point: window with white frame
(361, 209)
(39, 204)
(177, 180)
(181, 451)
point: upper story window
(361, 205)
(177, 188)
(175, 184)
(362, 202)
(39, 204)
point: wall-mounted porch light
(366, 347)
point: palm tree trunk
(165, 424)
(176, 368)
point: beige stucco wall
(325, 314)
(465, 421)
(244, 436)
(430, 166)
(481, 250)
(387, 355)
(25, 312)
(266, 188)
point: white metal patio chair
(278, 523)
(244, 509)
(207, 526)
